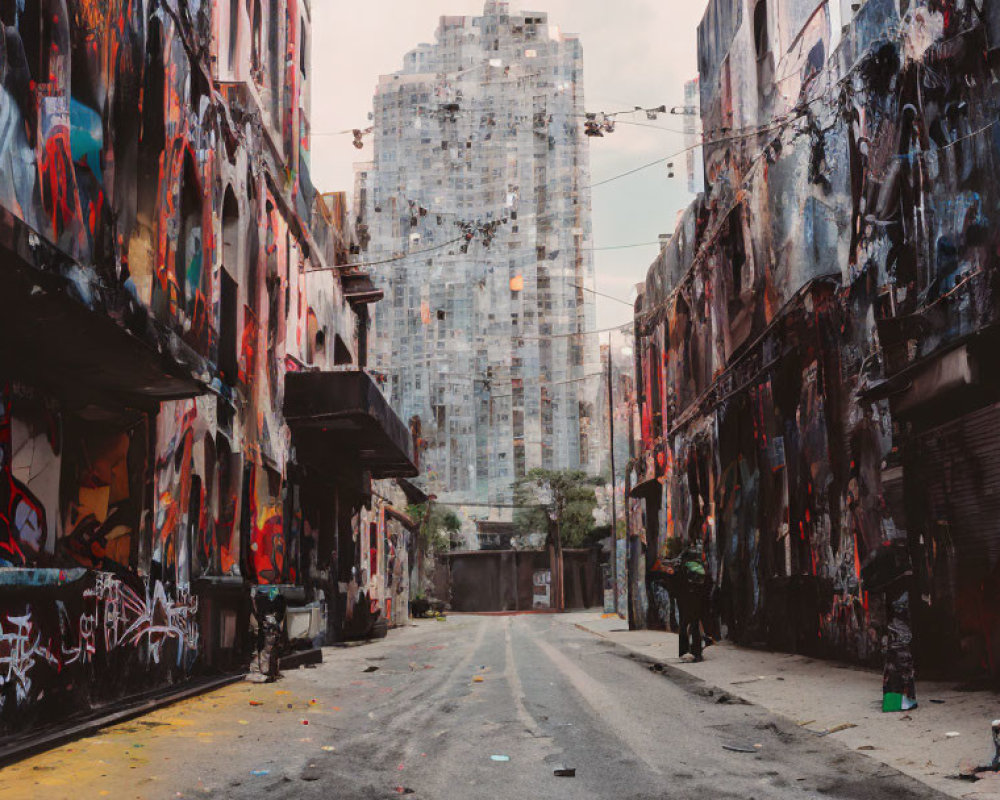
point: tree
(564, 496)
(438, 526)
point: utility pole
(630, 569)
(562, 594)
(614, 488)
(555, 556)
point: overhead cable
(551, 383)
(783, 121)
(390, 260)
(622, 246)
(601, 294)
(712, 234)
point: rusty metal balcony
(64, 326)
(340, 418)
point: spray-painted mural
(812, 337)
(161, 273)
(77, 624)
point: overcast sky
(635, 53)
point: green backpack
(694, 571)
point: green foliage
(449, 520)
(566, 495)
(436, 527)
(596, 535)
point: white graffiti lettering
(19, 650)
(85, 647)
(126, 619)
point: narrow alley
(458, 399)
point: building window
(760, 28)
(42, 28)
(256, 44)
(228, 360)
(302, 47)
(229, 290)
(234, 28)
(188, 258)
(154, 134)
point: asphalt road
(553, 695)
(409, 716)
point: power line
(622, 246)
(456, 504)
(486, 230)
(393, 259)
(421, 211)
(577, 333)
(712, 233)
(640, 169)
(423, 112)
(625, 326)
(601, 294)
(657, 127)
(549, 383)
(550, 336)
(390, 260)
(781, 122)
(785, 120)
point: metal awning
(342, 416)
(414, 494)
(646, 487)
(944, 371)
(60, 327)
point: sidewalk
(823, 695)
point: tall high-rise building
(481, 337)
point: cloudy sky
(636, 53)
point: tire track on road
(594, 694)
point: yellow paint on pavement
(144, 758)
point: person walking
(268, 607)
(691, 600)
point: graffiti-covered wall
(162, 272)
(822, 316)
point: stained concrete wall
(502, 580)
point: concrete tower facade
(482, 339)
